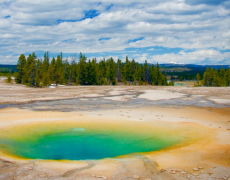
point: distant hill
(186, 71)
(6, 68)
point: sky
(163, 31)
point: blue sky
(182, 31)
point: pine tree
(38, 77)
(153, 75)
(101, 71)
(52, 71)
(32, 70)
(59, 73)
(82, 70)
(147, 77)
(123, 72)
(66, 71)
(46, 80)
(205, 81)
(118, 73)
(222, 77)
(20, 66)
(45, 64)
(111, 70)
(206, 77)
(227, 75)
(211, 76)
(140, 81)
(133, 70)
(159, 77)
(216, 79)
(91, 69)
(29, 71)
(74, 69)
(129, 70)
(198, 79)
(9, 79)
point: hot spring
(85, 141)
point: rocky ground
(16, 93)
(204, 108)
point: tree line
(213, 77)
(40, 73)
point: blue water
(82, 144)
(179, 84)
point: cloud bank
(183, 31)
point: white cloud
(205, 56)
(32, 26)
(151, 49)
(9, 59)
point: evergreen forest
(216, 78)
(41, 73)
